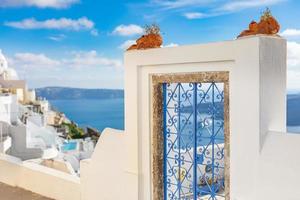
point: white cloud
(232, 6)
(194, 15)
(57, 38)
(32, 60)
(293, 52)
(72, 69)
(82, 23)
(190, 8)
(216, 4)
(291, 32)
(175, 4)
(128, 30)
(57, 4)
(90, 59)
(78, 60)
(293, 78)
(127, 44)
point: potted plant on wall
(267, 25)
(151, 39)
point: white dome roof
(6, 72)
(3, 62)
(12, 74)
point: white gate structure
(264, 160)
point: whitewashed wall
(278, 175)
(104, 176)
(39, 179)
(5, 108)
(243, 60)
(257, 67)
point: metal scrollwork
(193, 141)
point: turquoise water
(69, 146)
(96, 113)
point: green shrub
(74, 132)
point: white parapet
(39, 179)
(104, 176)
(278, 170)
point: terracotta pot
(268, 26)
(132, 47)
(147, 42)
(253, 26)
(246, 33)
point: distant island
(65, 93)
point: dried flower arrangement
(151, 39)
(267, 25)
(152, 29)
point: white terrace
(264, 159)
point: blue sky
(80, 43)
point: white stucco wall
(31, 95)
(5, 108)
(39, 179)
(14, 108)
(257, 67)
(104, 176)
(278, 175)
(19, 149)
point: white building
(26, 137)
(9, 80)
(31, 95)
(8, 115)
(8, 108)
(23, 132)
(3, 65)
(261, 159)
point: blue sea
(102, 113)
(98, 113)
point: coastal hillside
(65, 93)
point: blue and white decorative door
(193, 141)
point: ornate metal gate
(193, 141)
